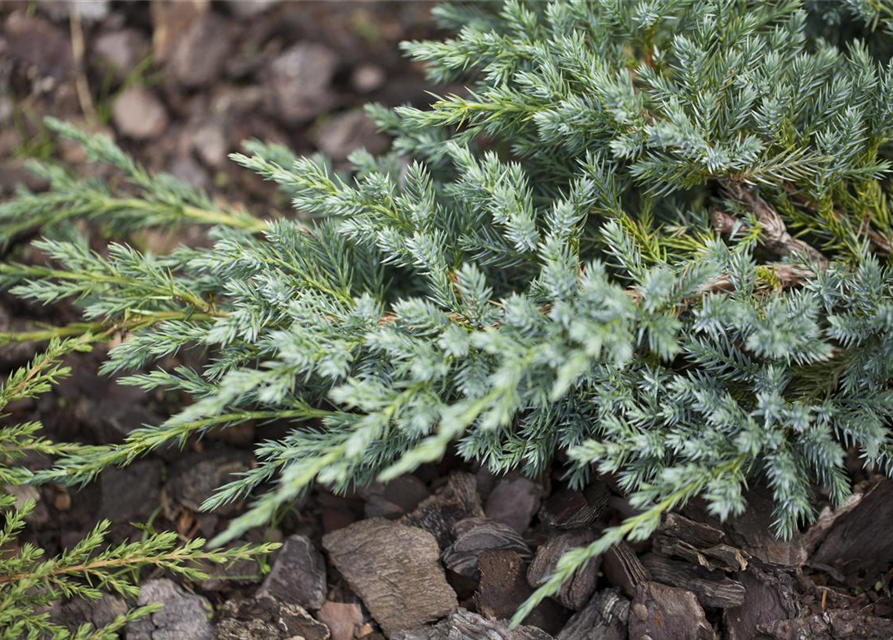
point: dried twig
(774, 233)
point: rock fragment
(121, 51)
(342, 618)
(346, 132)
(299, 82)
(138, 114)
(33, 41)
(199, 54)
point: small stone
(138, 114)
(298, 575)
(187, 169)
(199, 55)
(299, 82)
(577, 590)
(342, 618)
(667, 613)
(211, 145)
(266, 618)
(366, 78)
(394, 569)
(33, 41)
(184, 615)
(197, 477)
(132, 492)
(170, 20)
(89, 10)
(475, 536)
(514, 501)
(121, 51)
(250, 8)
(346, 132)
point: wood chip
(769, 596)
(464, 625)
(754, 532)
(605, 618)
(831, 625)
(698, 543)
(474, 536)
(503, 588)
(623, 568)
(456, 500)
(712, 589)
(860, 541)
(514, 501)
(660, 612)
(575, 593)
(396, 571)
(569, 509)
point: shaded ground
(179, 85)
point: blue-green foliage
(536, 268)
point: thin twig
(77, 50)
(774, 233)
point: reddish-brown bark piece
(660, 612)
(605, 618)
(569, 509)
(624, 569)
(574, 593)
(711, 588)
(475, 536)
(768, 597)
(503, 588)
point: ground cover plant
(652, 236)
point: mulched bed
(447, 553)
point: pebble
(299, 82)
(139, 114)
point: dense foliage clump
(652, 234)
